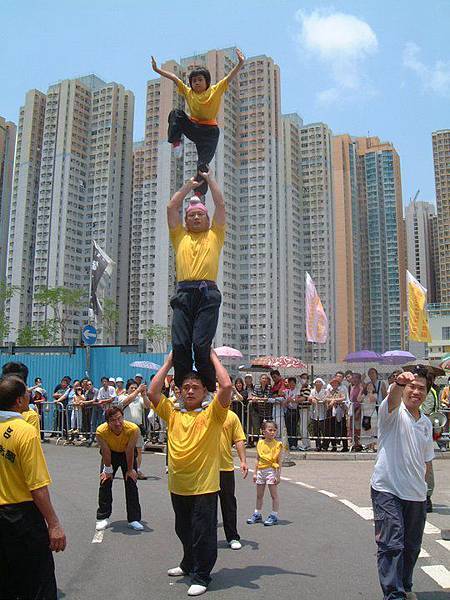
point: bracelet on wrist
(400, 384)
(108, 470)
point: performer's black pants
(205, 138)
(27, 570)
(228, 505)
(194, 324)
(196, 526)
(399, 526)
(119, 459)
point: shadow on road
(248, 576)
(122, 527)
(222, 544)
(432, 595)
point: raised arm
(156, 385)
(164, 73)
(225, 385)
(176, 202)
(235, 70)
(396, 390)
(129, 399)
(220, 217)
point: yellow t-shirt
(268, 454)
(194, 447)
(32, 418)
(205, 106)
(197, 254)
(232, 432)
(117, 443)
(22, 464)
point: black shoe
(333, 449)
(429, 505)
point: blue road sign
(89, 335)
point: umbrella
(145, 364)
(362, 356)
(252, 368)
(280, 362)
(445, 364)
(227, 352)
(396, 357)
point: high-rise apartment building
(7, 147)
(248, 167)
(441, 157)
(418, 242)
(23, 210)
(434, 294)
(383, 267)
(84, 195)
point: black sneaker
(429, 505)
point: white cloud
(434, 78)
(342, 42)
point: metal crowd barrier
(53, 419)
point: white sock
(257, 512)
(275, 514)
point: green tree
(60, 300)
(110, 318)
(43, 334)
(158, 336)
(6, 293)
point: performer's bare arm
(129, 453)
(41, 498)
(105, 451)
(176, 202)
(157, 383)
(164, 73)
(240, 449)
(225, 385)
(237, 67)
(428, 467)
(217, 196)
(396, 390)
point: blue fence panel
(111, 362)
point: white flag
(316, 319)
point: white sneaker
(235, 545)
(136, 526)
(101, 525)
(176, 572)
(197, 590)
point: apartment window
(446, 333)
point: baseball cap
(139, 375)
(112, 379)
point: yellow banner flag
(419, 329)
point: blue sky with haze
(377, 66)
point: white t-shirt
(134, 412)
(404, 446)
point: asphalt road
(322, 549)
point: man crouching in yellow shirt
(194, 460)
(29, 527)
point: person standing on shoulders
(398, 486)
(29, 527)
(194, 460)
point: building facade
(7, 148)
(418, 217)
(441, 158)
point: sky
(362, 66)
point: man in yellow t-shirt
(29, 527)
(196, 302)
(117, 439)
(203, 100)
(194, 462)
(232, 433)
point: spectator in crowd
(444, 399)
(112, 382)
(90, 395)
(290, 405)
(239, 399)
(120, 388)
(139, 378)
(318, 400)
(117, 440)
(133, 404)
(232, 434)
(38, 384)
(194, 459)
(29, 527)
(347, 381)
(369, 418)
(304, 406)
(76, 402)
(356, 395)
(248, 384)
(38, 401)
(277, 398)
(376, 385)
(398, 485)
(61, 398)
(260, 408)
(337, 408)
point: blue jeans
(399, 526)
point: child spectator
(267, 470)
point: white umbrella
(145, 364)
(228, 352)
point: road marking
(305, 485)
(326, 493)
(286, 478)
(429, 528)
(98, 537)
(439, 573)
(444, 543)
(364, 512)
(423, 553)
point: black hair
(110, 412)
(193, 375)
(294, 379)
(103, 378)
(304, 375)
(340, 373)
(348, 372)
(275, 372)
(12, 387)
(424, 371)
(68, 378)
(37, 378)
(131, 382)
(265, 423)
(16, 368)
(196, 72)
(240, 380)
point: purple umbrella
(396, 357)
(362, 356)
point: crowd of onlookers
(324, 415)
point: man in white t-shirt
(399, 490)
